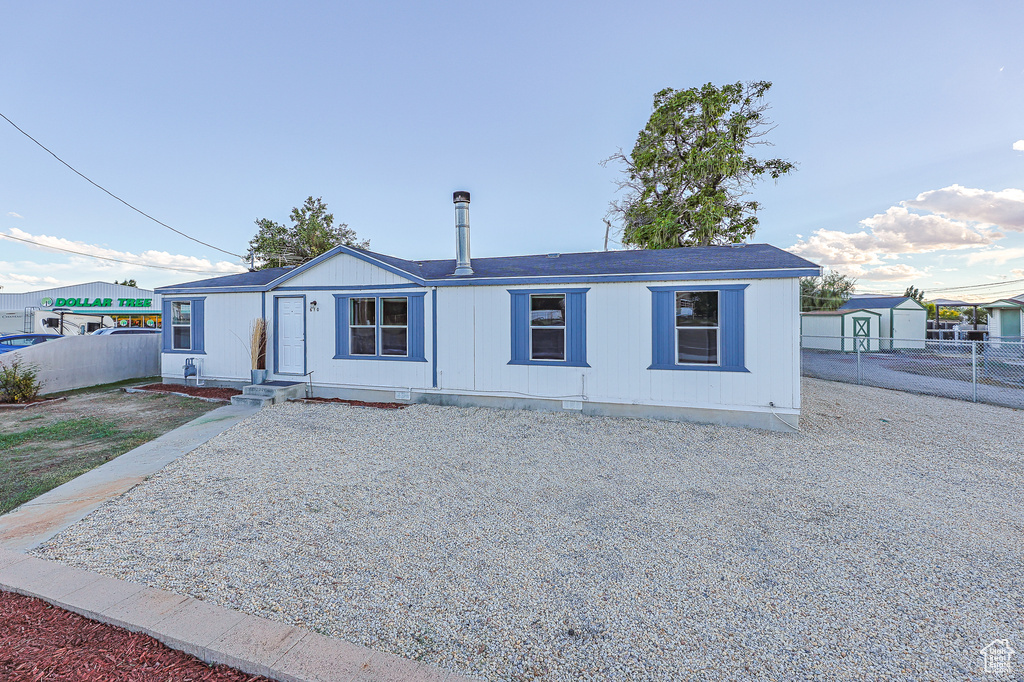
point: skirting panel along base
(703, 415)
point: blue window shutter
(340, 325)
(167, 333)
(198, 324)
(520, 326)
(731, 326)
(416, 345)
(662, 328)
(576, 327)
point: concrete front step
(269, 393)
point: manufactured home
(902, 322)
(708, 334)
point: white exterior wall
(343, 270)
(475, 346)
(225, 337)
(909, 325)
(821, 331)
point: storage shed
(849, 330)
(902, 323)
(707, 334)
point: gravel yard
(885, 541)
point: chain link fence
(980, 371)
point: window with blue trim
(698, 328)
(549, 327)
(183, 325)
(379, 327)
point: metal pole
(859, 375)
(974, 368)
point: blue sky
(902, 119)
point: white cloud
(892, 273)
(897, 231)
(1004, 209)
(12, 214)
(1019, 145)
(163, 259)
(995, 256)
(1017, 273)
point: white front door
(291, 335)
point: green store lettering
(103, 302)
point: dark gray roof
(242, 279)
(594, 263)
(874, 302)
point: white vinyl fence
(980, 371)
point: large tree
(311, 233)
(827, 292)
(691, 168)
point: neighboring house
(1005, 319)
(706, 333)
(848, 330)
(903, 322)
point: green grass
(41, 458)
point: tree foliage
(914, 293)
(127, 283)
(311, 233)
(827, 292)
(691, 168)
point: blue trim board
(730, 328)
(277, 337)
(415, 319)
(353, 287)
(433, 333)
(575, 327)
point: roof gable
(884, 302)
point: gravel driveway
(884, 541)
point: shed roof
(742, 258)
(875, 302)
(841, 311)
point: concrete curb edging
(214, 634)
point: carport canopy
(950, 303)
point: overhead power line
(116, 260)
(77, 172)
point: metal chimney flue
(462, 262)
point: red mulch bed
(41, 642)
(357, 403)
(198, 391)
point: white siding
(474, 343)
(225, 337)
(343, 270)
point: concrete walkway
(211, 633)
(38, 520)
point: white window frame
(717, 328)
(382, 326)
(178, 326)
(563, 326)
